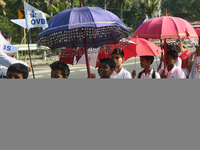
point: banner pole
(30, 57)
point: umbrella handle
(86, 54)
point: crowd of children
(181, 63)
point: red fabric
(197, 31)
(143, 47)
(184, 57)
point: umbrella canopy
(165, 27)
(68, 28)
(143, 47)
(83, 27)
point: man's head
(7, 36)
(59, 69)
(17, 71)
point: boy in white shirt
(148, 72)
(172, 70)
(117, 56)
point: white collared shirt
(175, 72)
(178, 63)
(123, 74)
(148, 75)
(6, 61)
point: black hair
(148, 58)
(19, 68)
(118, 51)
(173, 54)
(109, 62)
(171, 47)
(6, 35)
(62, 66)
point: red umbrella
(95, 54)
(143, 47)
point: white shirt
(178, 63)
(6, 61)
(175, 72)
(194, 73)
(123, 74)
(149, 75)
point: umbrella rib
(93, 37)
(111, 34)
(74, 36)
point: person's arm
(180, 74)
(6, 61)
(10, 54)
(190, 62)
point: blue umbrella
(83, 27)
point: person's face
(9, 40)
(144, 63)
(14, 75)
(57, 74)
(180, 44)
(117, 59)
(170, 60)
(104, 70)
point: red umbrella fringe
(79, 51)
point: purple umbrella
(83, 27)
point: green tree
(123, 4)
(151, 7)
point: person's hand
(192, 57)
(93, 76)
(164, 73)
(133, 74)
(29, 68)
(15, 53)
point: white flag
(34, 17)
(5, 46)
(20, 22)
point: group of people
(180, 63)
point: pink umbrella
(166, 27)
